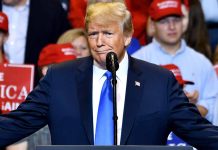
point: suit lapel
(132, 100)
(84, 84)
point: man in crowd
(33, 25)
(168, 47)
(151, 103)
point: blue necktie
(105, 126)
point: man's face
(106, 38)
(168, 31)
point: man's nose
(171, 24)
(99, 39)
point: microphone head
(112, 62)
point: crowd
(183, 39)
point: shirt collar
(179, 51)
(121, 72)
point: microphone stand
(112, 65)
(115, 117)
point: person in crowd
(22, 145)
(50, 54)
(196, 35)
(215, 121)
(150, 100)
(32, 26)
(3, 38)
(3, 35)
(55, 53)
(211, 17)
(168, 47)
(215, 63)
(195, 29)
(177, 73)
(78, 38)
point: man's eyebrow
(93, 32)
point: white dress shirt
(98, 81)
(18, 22)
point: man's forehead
(101, 26)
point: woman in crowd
(77, 37)
(195, 29)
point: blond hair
(71, 35)
(106, 12)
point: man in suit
(33, 25)
(150, 101)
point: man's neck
(21, 3)
(171, 48)
(17, 4)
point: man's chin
(102, 65)
(101, 61)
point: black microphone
(112, 64)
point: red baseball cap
(175, 70)
(3, 22)
(56, 53)
(163, 8)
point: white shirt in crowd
(18, 22)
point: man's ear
(127, 40)
(151, 28)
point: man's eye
(108, 34)
(92, 34)
(163, 21)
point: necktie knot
(108, 75)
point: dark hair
(196, 34)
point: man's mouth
(103, 51)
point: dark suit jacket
(63, 99)
(47, 21)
